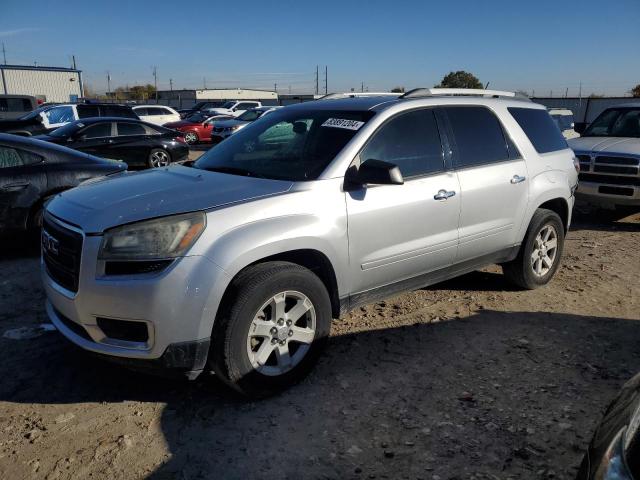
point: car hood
(156, 193)
(628, 146)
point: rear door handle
(14, 187)
(443, 194)
(517, 179)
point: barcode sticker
(343, 123)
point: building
(186, 98)
(49, 84)
(585, 109)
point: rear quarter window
(542, 131)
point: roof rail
(436, 92)
(334, 96)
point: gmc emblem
(49, 243)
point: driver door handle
(444, 195)
(517, 179)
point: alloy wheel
(159, 158)
(545, 249)
(281, 333)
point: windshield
(197, 118)
(564, 122)
(294, 145)
(250, 115)
(616, 122)
(66, 131)
(34, 113)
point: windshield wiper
(234, 171)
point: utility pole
(108, 84)
(4, 53)
(317, 79)
(289, 89)
(362, 87)
(566, 92)
(73, 60)
(326, 80)
(155, 81)
(204, 82)
(580, 94)
(275, 87)
(171, 84)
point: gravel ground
(469, 379)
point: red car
(196, 128)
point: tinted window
(411, 141)
(117, 111)
(616, 122)
(98, 130)
(131, 129)
(10, 157)
(542, 131)
(60, 115)
(155, 111)
(88, 111)
(15, 105)
(564, 122)
(477, 136)
(141, 112)
(246, 105)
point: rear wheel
(159, 157)
(191, 138)
(271, 332)
(540, 252)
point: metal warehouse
(188, 97)
(49, 84)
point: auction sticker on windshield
(342, 123)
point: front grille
(617, 160)
(610, 179)
(61, 252)
(615, 169)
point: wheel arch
(560, 206)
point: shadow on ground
(494, 395)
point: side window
(165, 111)
(245, 106)
(411, 141)
(141, 112)
(540, 128)
(88, 111)
(117, 111)
(477, 135)
(155, 111)
(60, 115)
(10, 157)
(98, 130)
(131, 129)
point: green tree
(397, 90)
(635, 91)
(460, 79)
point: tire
(528, 271)
(191, 138)
(158, 158)
(250, 342)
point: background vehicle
(196, 128)
(238, 264)
(138, 143)
(50, 117)
(224, 128)
(609, 155)
(234, 108)
(614, 451)
(186, 112)
(157, 114)
(31, 171)
(564, 119)
(15, 106)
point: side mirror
(580, 127)
(375, 172)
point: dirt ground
(469, 379)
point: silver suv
(238, 264)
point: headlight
(161, 238)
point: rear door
(87, 111)
(400, 232)
(23, 181)
(493, 180)
(95, 139)
(130, 143)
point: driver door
(401, 232)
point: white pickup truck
(234, 108)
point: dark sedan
(31, 171)
(138, 143)
(614, 451)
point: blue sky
(542, 45)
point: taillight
(576, 164)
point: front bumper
(177, 305)
(593, 194)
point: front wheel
(159, 157)
(271, 332)
(540, 252)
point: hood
(156, 193)
(627, 146)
